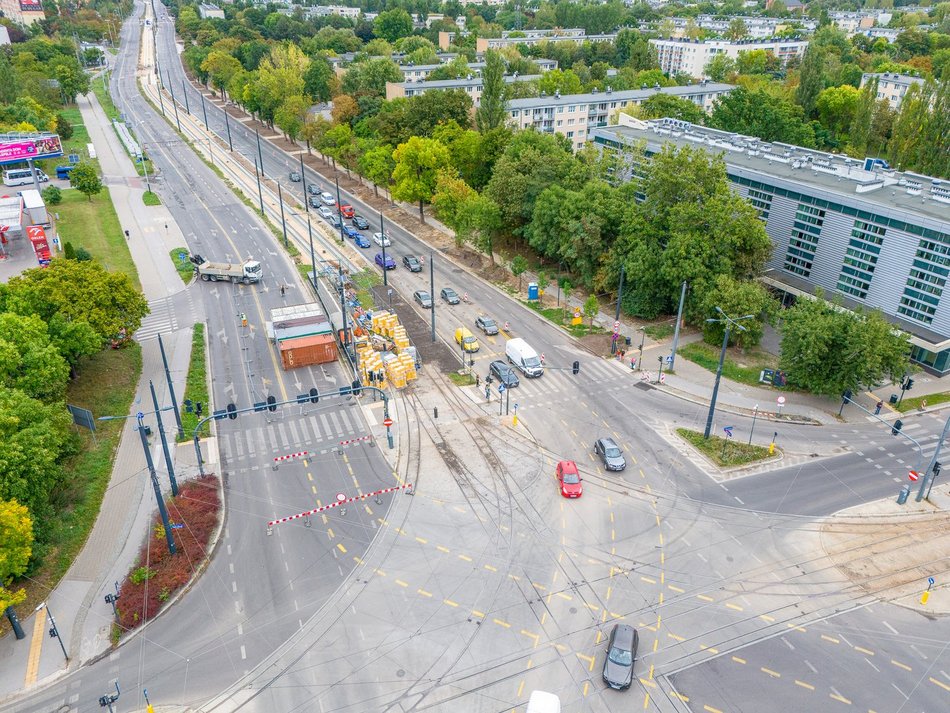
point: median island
(726, 452)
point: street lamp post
(722, 357)
(53, 630)
(161, 433)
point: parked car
(351, 232)
(361, 241)
(327, 199)
(324, 212)
(382, 240)
(295, 176)
(347, 210)
(504, 373)
(609, 453)
(486, 324)
(314, 201)
(450, 296)
(313, 189)
(389, 264)
(360, 222)
(423, 298)
(466, 340)
(621, 654)
(568, 479)
(411, 263)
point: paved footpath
(82, 616)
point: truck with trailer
(245, 272)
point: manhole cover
(400, 673)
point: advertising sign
(38, 147)
(37, 236)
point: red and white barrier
(355, 440)
(336, 504)
(278, 459)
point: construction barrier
(338, 503)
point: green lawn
(746, 371)
(75, 144)
(912, 404)
(562, 317)
(659, 332)
(105, 101)
(184, 267)
(461, 379)
(365, 281)
(196, 384)
(724, 452)
(151, 198)
(95, 226)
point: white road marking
(702, 558)
(240, 629)
(872, 665)
(890, 628)
(921, 654)
(231, 564)
(787, 643)
(738, 500)
(808, 663)
(243, 652)
(899, 691)
(234, 587)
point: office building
(575, 115)
(690, 57)
(892, 86)
(874, 237)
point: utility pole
(613, 342)
(679, 321)
(339, 214)
(432, 291)
(227, 126)
(722, 357)
(260, 194)
(283, 222)
(169, 538)
(313, 257)
(382, 231)
(184, 91)
(303, 178)
(931, 473)
(175, 105)
(260, 156)
(204, 110)
(169, 465)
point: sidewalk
(82, 617)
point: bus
(22, 177)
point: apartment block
(23, 12)
(690, 57)
(892, 86)
(419, 72)
(471, 85)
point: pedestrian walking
(127, 235)
(477, 380)
(487, 392)
(877, 409)
(283, 290)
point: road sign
(74, 158)
(781, 400)
(728, 430)
(178, 525)
(501, 388)
(931, 581)
(616, 327)
(181, 257)
(669, 359)
(913, 475)
(340, 497)
(387, 422)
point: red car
(347, 210)
(568, 479)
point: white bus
(22, 177)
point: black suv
(450, 295)
(411, 263)
(360, 222)
(504, 373)
(486, 324)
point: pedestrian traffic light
(896, 428)
(357, 387)
(846, 396)
(936, 469)
(271, 403)
(372, 377)
(576, 368)
(189, 407)
(232, 411)
(314, 396)
(909, 385)
(198, 409)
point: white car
(325, 212)
(382, 240)
(327, 199)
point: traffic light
(198, 409)
(896, 428)
(936, 469)
(189, 407)
(232, 411)
(372, 377)
(576, 368)
(314, 396)
(357, 387)
(846, 396)
(271, 403)
(909, 385)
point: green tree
(480, 220)
(68, 291)
(666, 105)
(836, 107)
(377, 165)
(52, 195)
(16, 546)
(563, 81)
(319, 81)
(290, 115)
(760, 113)
(451, 192)
(393, 25)
(518, 266)
(29, 360)
(811, 79)
(738, 298)
(491, 111)
(737, 29)
(720, 67)
(591, 308)
(418, 162)
(827, 350)
(220, 68)
(280, 76)
(370, 77)
(85, 179)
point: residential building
(690, 57)
(419, 72)
(206, 10)
(892, 86)
(575, 115)
(471, 85)
(758, 28)
(23, 12)
(513, 38)
(871, 236)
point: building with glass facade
(875, 237)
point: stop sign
(387, 422)
(913, 475)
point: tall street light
(730, 323)
(53, 631)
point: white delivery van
(543, 702)
(523, 357)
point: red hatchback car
(568, 479)
(347, 210)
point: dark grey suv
(486, 324)
(610, 454)
(411, 263)
(621, 653)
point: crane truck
(247, 272)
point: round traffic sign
(913, 475)
(340, 497)
(387, 422)
(781, 400)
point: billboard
(14, 149)
(40, 245)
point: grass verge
(461, 379)
(94, 225)
(184, 267)
(108, 107)
(745, 372)
(158, 574)
(364, 281)
(917, 402)
(77, 143)
(659, 332)
(724, 452)
(196, 385)
(151, 198)
(563, 317)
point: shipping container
(306, 351)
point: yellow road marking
(586, 688)
(646, 700)
(943, 685)
(770, 672)
(562, 595)
(901, 665)
(676, 589)
(711, 709)
(589, 659)
(36, 647)
(710, 649)
(465, 557)
(675, 637)
(488, 567)
(733, 606)
(450, 602)
(330, 532)
(520, 688)
(539, 586)
(648, 580)
(766, 617)
(647, 682)
(797, 628)
(422, 541)
(836, 697)
(534, 637)
(309, 477)
(738, 660)
(704, 597)
(804, 685)
(477, 613)
(314, 489)
(380, 572)
(683, 698)
(424, 592)
(357, 560)
(401, 583)
(514, 577)
(863, 650)
(502, 623)
(341, 548)
(440, 548)
(832, 639)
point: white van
(22, 177)
(543, 702)
(523, 357)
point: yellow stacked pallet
(400, 339)
(408, 366)
(378, 319)
(397, 374)
(370, 362)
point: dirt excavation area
(891, 554)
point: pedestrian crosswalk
(317, 431)
(557, 382)
(167, 314)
